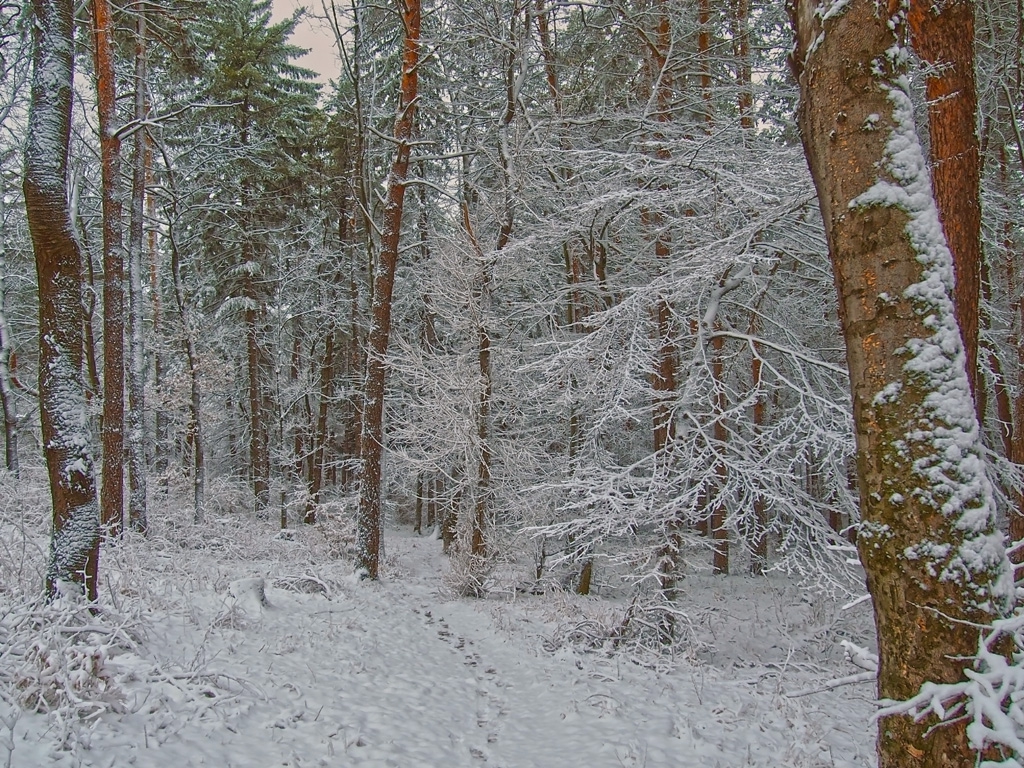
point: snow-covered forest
(629, 382)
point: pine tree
(271, 101)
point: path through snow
(395, 674)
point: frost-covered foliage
(617, 221)
(185, 664)
(746, 279)
(991, 698)
(54, 656)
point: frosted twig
(860, 677)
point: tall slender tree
(371, 438)
(271, 102)
(112, 489)
(942, 34)
(137, 517)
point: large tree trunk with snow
(112, 489)
(935, 563)
(74, 545)
(371, 438)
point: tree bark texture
(112, 488)
(663, 379)
(928, 543)
(371, 438)
(759, 536)
(719, 532)
(137, 517)
(74, 545)
(741, 50)
(7, 397)
(942, 33)
(316, 467)
(259, 437)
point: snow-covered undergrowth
(233, 645)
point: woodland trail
(397, 674)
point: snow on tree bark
(137, 517)
(942, 34)
(934, 560)
(74, 546)
(371, 438)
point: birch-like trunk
(10, 407)
(137, 517)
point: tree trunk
(942, 33)
(74, 545)
(316, 469)
(137, 517)
(759, 539)
(741, 50)
(161, 433)
(704, 58)
(934, 561)
(10, 407)
(112, 489)
(483, 479)
(417, 526)
(663, 380)
(195, 425)
(304, 423)
(719, 532)
(259, 459)
(1011, 413)
(371, 438)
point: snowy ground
(188, 668)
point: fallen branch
(860, 677)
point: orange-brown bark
(371, 438)
(942, 33)
(929, 598)
(74, 545)
(112, 489)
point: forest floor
(186, 666)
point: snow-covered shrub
(226, 496)
(468, 574)
(649, 631)
(56, 675)
(57, 659)
(336, 522)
